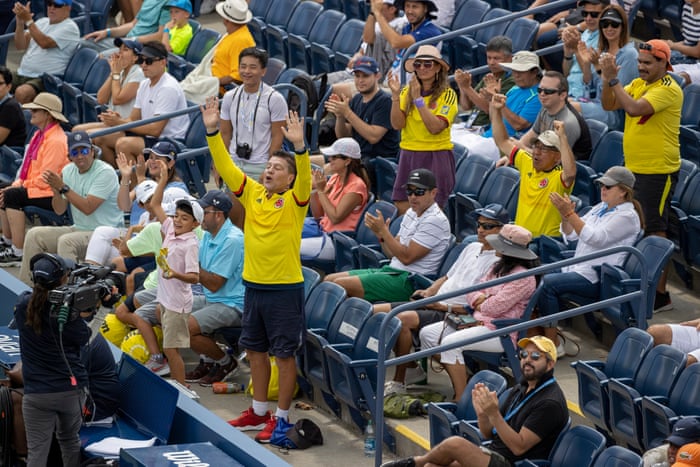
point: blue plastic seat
(352, 366)
(623, 361)
(76, 71)
(617, 456)
(201, 43)
(522, 32)
(72, 96)
(323, 31)
(577, 446)
(656, 376)
(597, 129)
(687, 171)
(470, 177)
(335, 56)
(274, 69)
(301, 20)
(471, 12)
(385, 171)
(193, 161)
(355, 9)
(99, 13)
(444, 417)
(690, 112)
(659, 413)
(484, 34)
(585, 187)
(607, 153)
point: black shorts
(273, 321)
(425, 315)
(16, 198)
(654, 193)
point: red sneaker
(248, 421)
(266, 433)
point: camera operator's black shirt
(43, 368)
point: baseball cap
(48, 268)
(63, 2)
(163, 149)
(421, 178)
(191, 207)
(145, 190)
(154, 50)
(658, 49)
(366, 64)
(174, 193)
(523, 61)
(133, 45)
(493, 211)
(542, 343)
(78, 139)
(347, 147)
(217, 199)
(617, 175)
(550, 138)
(181, 4)
(685, 431)
(688, 455)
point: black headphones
(48, 278)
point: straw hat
(49, 102)
(426, 52)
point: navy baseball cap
(686, 430)
(493, 211)
(217, 199)
(366, 65)
(78, 139)
(163, 149)
(136, 46)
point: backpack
(409, 405)
(302, 435)
(314, 93)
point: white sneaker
(394, 387)
(160, 368)
(414, 375)
(207, 7)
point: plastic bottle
(227, 388)
(370, 440)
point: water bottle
(227, 388)
(370, 440)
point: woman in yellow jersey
(423, 111)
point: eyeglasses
(534, 355)
(592, 14)
(488, 225)
(428, 64)
(542, 147)
(609, 24)
(79, 152)
(148, 60)
(548, 91)
(415, 191)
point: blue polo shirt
(223, 255)
(524, 103)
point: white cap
(145, 190)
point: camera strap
(255, 114)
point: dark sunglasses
(148, 60)
(488, 225)
(534, 355)
(607, 24)
(592, 14)
(423, 64)
(415, 191)
(79, 152)
(548, 91)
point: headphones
(48, 278)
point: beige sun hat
(49, 102)
(426, 52)
(236, 11)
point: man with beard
(365, 117)
(525, 426)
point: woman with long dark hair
(507, 300)
(338, 202)
(424, 111)
(54, 375)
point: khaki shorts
(176, 333)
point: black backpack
(314, 88)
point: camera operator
(54, 375)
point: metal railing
(383, 364)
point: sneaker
(218, 373)
(415, 375)
(161, 368)
(248, 421)
(662, 302)
(8, 257)
(199, 372)
(266, 433)
(394, 387)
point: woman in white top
(615, 221)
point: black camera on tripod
(244, 151)
(87, 287)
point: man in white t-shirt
(158, 94)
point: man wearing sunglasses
(525, 426)
(49, 43)
(418, 247)
(571, 36)
(88, 186)
(652, 105)
(553, 95)
(158, 94)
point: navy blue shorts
(273, 321)
(147, 263)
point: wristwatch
(116, 76)
(64, 189)
(613, 82)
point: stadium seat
(687, 171)
(335, 57)
(355, 9)
(76, 71)
(660, 413)
(73, 96)
(656, 376)
(467, 14)
(585, 187)
(607, 153)
(617, 456)
(689, 139)
(470, 177)
(485, 33)
(386, 176)
(597, 130)
(444, 417)
(274, 69)
(690, 113)
(99, 13)
(301, 20)
(622, 363)
(322, 32)
(577, 446)
(522, 32)
(200, 45)
(259, 8)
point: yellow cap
(544, 344)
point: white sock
(17, 251)
(225, 360)
(260, 408)
(7, 240)
(284, 414)
(206, 359)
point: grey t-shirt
(543, 122)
